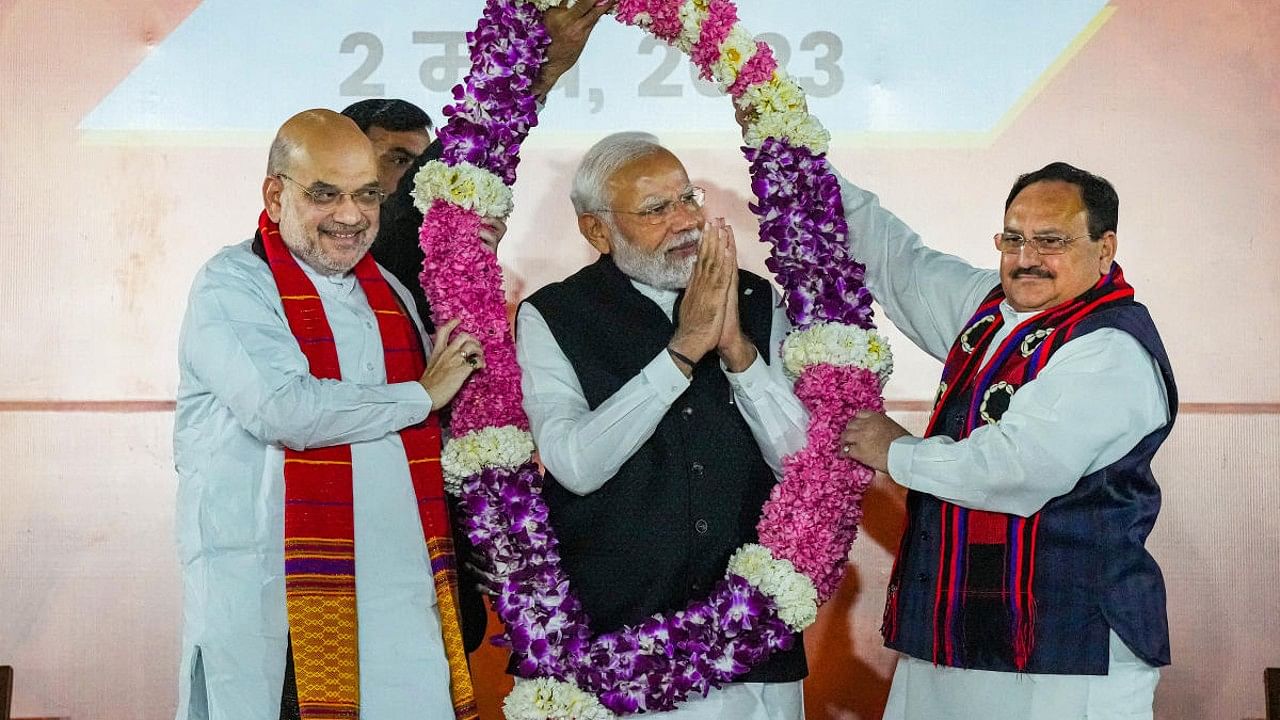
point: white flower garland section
(551, 699)
(839, 345)
(779, 108)
(792, 591)
(501, 447)
(692, 14)
(464, 184)
(735, 51)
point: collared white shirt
(1095, 399)
(584, 448)
(245, 393)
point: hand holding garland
(867, 438)
(569, 27)
(450, 364)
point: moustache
(341, 228)
(692, 236)
(1032, 272)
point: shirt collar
(663, 298)
(1013, 316)
(339, 286)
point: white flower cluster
(780, 111)
(692, 13)
(466, 185)
(550, 699)
(492, 447)
(779, 95)
(735, 51)
(794, 593)
(835, 344)
(545, 5)
(797, 129)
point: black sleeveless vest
(660, 532)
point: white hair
(606, 157)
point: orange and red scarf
(319, 540)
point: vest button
(697, 470)
(701, 526)
(922, 577)
(924, 535)
(687, 412)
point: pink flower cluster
(664, 16)
(759, 69)
(812, 516)
(722, 15)
(463, 279)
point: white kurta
(584, 448)
(1095, 399)
(245, 393)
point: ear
(272, 187)
(1106, 251)
(595, 231)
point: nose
(1028, 256)
(347, 212)
(687, 217)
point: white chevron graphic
(236, 68)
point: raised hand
(734, 347)
(569, 28)
(450, 364)
(702, 312)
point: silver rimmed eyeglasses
(662, 210)
(368, 198)
(1012, 243)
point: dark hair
(388, 114)
(1100, 199)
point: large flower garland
(770, 590)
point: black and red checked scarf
(987, 560)
(319, 528)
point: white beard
(655, 269)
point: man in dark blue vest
(657, 399)
(1022, 587)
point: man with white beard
(657, 398)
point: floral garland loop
(838, 361)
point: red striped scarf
(320, 584)
(988, 559)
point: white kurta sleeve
(927, 294)
(1095, 399)
(238, 347)
(766, 400)
(581, 447)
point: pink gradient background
(1177, 102)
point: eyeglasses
(365, 198)
(692, 199)
(1012, 243)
